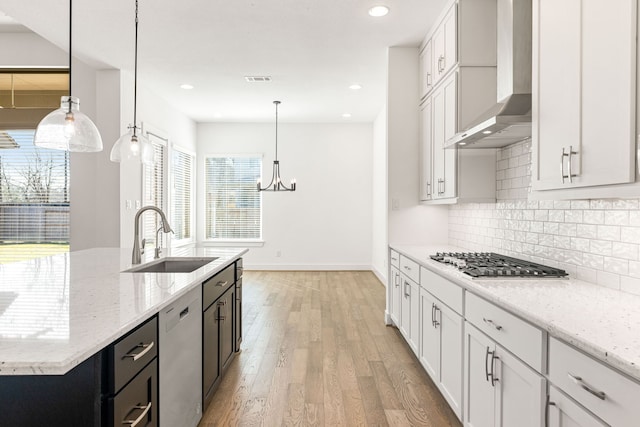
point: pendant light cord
(135, 78)
(70, 38)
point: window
(233, 206)
(153, 189)
(34, 198)
(182, 195)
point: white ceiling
(312, 49)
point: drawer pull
(492, 323)
(221, 283)
(134, 423)
(578, 380)
(406, 267)
(135, 356)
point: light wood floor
(316, 352)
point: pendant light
(67, 128)
(276, 183)
(131, 145)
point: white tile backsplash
(593, 240)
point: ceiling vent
(257, 79)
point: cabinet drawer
(215, 286)
(132, 353)
(394, 258)
(605, 392)
(138, 400)
(443, 289)
(519, 337)
(410, 268)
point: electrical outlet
(395, 204)
(128, 205)
(138, 204)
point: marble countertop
(602, 322)
(58, 311)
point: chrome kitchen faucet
(136, 256)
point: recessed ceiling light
(486, 132)
(346, 115)
(186, 86)
(355, 86)
(378, 11)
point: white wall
(100, 188)
(93, 182)
(326, 223)
(379, 232)
(409, 222)
(155, 114)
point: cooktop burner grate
(491, 264)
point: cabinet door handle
(435, 316)
(397, 280)
(441, 63)
(406, 294)
(428, 79)
(428, 188)
(492, 323)
(134, 423)
(494, 380)
(568, 155)
(146, 348)
(578, 380)
(222, 283)
(546, 410)
(486, 364)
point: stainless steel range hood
(509, 120)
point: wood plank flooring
(316, 352)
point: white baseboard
(380, 276)
(306, 267)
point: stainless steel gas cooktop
(491, 264)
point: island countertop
(58, 311)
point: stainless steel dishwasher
(180, 348)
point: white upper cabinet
(444, 45)
(465, 35)
(426, 148)
(426, 69)
(584, 93)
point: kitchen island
(60, 315)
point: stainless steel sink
(172, 265)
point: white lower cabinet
(395, 296)
(441, 348)
(605, 392)
(499, 389)
(410, 312)
(564, 412)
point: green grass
(25, 251)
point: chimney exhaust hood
(509, 121)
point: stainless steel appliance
(491, 264)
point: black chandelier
(276, 183)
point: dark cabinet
(238, 307)
(221, 326)
(114, 387)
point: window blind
(34, 199)
(233, 206)
(182, 195)
(153, 192)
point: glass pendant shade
(133, 147)
(68, 129)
